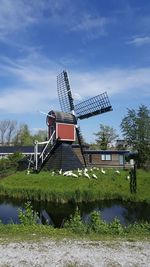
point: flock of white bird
(87, 173)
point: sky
(103, 44)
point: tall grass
(61, 189)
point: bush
(28, 216)
(97, 224)
(116, 227)
(76, 224)
(11, 163)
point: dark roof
(63, 117)
(21, 149)
(104, 152)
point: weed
(116, 227)
(97, 224)
(28, 216)
(75, 224)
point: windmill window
(106, 157)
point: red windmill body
(63, 124)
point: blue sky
(103, 44)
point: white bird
(53, 173)
(102, 171)
(67, 173)
(86, 175)
(28, 171)
(91, 169)
(79, 171)
(117, 171)
(94, 176)
(74, 175)
(128, 177)
(60, 171)
(85, 170)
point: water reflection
(57, 214)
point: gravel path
(69, 253)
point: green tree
(23, 136)
(41, 135)
(105, 136)
(135, 127)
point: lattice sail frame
(93, 106)
(64, 92)
(88, 108)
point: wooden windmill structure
(57, 152)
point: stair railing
(41, 156)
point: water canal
(57, 214)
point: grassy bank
(20, 233)
(58, 188)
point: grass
(58, 188)
(16, 232)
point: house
(107, 158)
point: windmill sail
(93, 106)
(64, 92)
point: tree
(41, 135)
(3, 128)
(23, 136)
(135, 127)
(7, 129)
(105, 136)
(10, 131)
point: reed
(61, 189)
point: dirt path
(68, 253)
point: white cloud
(19, 15)
(139, 41)
(114, 81)
(93, 26)
(15, 15)
(34, 84)
(33, 87)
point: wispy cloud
(139, 41)
(34, 84)
(115, 81)
(18, 16)
(14, 16)
(92, 26)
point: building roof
(13, 149)
(104, 152)
(63, 117)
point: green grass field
(58, 188)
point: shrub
(97, 224)
(28, 216)
(76, 224)
(116, 227)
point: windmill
(63, 128)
